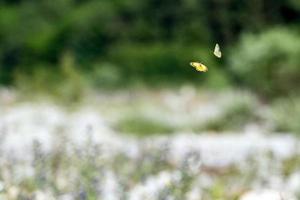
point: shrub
(268, 63)
(65, 83)
(105, 75)
(142, 125)
(157, 64)
(235, 117)
(286, 115)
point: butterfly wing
(199, 66)
(217, 51)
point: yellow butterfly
(202, 68)
(217, 51)
(199, 66)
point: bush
(65, 83)
(286, 115)
(142, 126)
(236, 115)
(105, 75)
(164, 63)
(268, 63)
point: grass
(79, 172)
(286, 115)
(141, 126)
(291, 165)
(84, 173)
(234, 117)
(236, 113)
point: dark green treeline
(112, 41)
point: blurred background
(108, 82)
(119, 43)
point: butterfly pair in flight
(202, 68)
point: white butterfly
(217, 51)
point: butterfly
(217, 51)
(199, 66)
(202, 68)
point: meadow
(183, 144)
(98, 100)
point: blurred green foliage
(235, 117)
(286, 115)
(66, 83)
(240, 112)
(269, 63)
(119, 42)
(142, 126)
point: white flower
(266, 195)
